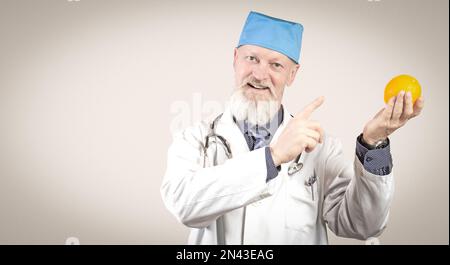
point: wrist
(275, 157)
(371, 143)
(368, 140)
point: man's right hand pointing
(301, 134)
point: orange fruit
(405, 83)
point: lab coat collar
(230, 131)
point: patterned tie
(257, 138)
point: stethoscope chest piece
(294, 168)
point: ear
(235, 57)
(292, 74)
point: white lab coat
(231, 203)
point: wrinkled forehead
(263, 53)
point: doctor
(258, 175)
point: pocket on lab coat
(301, 209)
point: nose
(261, 71)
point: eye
(277, 65)
(252, 58)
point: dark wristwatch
(378, 145)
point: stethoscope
(217, 137)
(293, 168)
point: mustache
(254, 81)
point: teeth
(260, 87)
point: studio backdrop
(91, 92)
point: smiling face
(262, 73)
(260, 78)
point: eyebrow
(277, 59)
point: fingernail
(402, 92)
(409, 94)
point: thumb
(309, 109)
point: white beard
(256, 112)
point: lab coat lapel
(231, 132)
(286, 118)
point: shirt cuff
(272, 170)
(376, 161)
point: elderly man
(258, 175)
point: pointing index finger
(308, 110)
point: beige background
(88, 90)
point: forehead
(263, 52)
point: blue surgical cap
(273, 33)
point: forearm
(356, 202)
(197, 197)
(362, 209)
